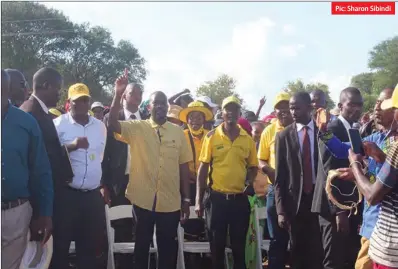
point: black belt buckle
(230, 197)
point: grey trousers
(14, 234)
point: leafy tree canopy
(34, 36)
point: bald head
(159, 107)
(45, 76)
(18, 87)
(47, 83)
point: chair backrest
(260, 213)
(120, 212)
(192, 213)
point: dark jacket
(115, 161)
(320, 203)
(60, 165)
(289, 171)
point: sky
(262, 45)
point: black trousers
(231, 215)
(123, 227)
(80, 217)
(334, 243)
(305, 237)
(166, 236)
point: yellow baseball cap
(392, 102)
(282, 96)
(229, 100)
(78, 90)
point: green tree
(298, 85)
(218, 89)
(383, 63)
(34, 36)
(364, 82)
(93, 59)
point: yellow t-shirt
(266, 149)
(229, 161)
(194, 166)
(156, 153)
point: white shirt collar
(301, 126)
(346, 124)
(72, 120)
(43, 105)
(127, 114)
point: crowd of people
(166, 155)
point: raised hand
(121, 83)
(322, 119)
(262, 101)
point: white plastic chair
(260, 213)
(115, 213)
(191, 246)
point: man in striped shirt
(383, 248)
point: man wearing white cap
(213, 108)
(98, 109)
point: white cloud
(336, 83)
(242, 56)
(291, 50)
(289, 29)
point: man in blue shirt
(383, 138)
(27, 188)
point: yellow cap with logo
(78, 90)
(230, 100)
(392, 102)
(282, 96)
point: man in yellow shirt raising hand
(266, 154)
(158, 184)
(230, 154)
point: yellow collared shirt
(230, 160)
(198, 148)
(266, 149)
(154, 182)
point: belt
(82, 190)
(232, 196)
(12, 204)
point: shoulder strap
(193, 149)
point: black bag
(194, 230)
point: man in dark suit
(47, 83)
(339, 234)
(116, 165)
(296, 161)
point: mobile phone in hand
(356, 141)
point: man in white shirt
(83, 205)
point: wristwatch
(187, 200)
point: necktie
(307, 162)
(133, 117)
